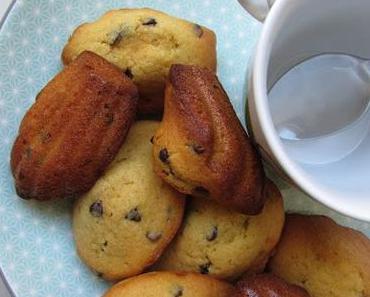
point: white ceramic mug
(295, 30)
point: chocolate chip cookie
(326, 259)
(144, 43)
(123, 224)
(171, 284)
(224, 243)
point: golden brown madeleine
(267, 285)
(201, 148)
(326, 259)
(144, 43)
(171, 284)
(73, 130)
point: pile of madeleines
(138, 129)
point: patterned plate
(37, 253)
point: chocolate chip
(45, 136)
(129, 74)
(153, 235)
(204, 268)
(163, 155)
(108, 118)
(149, 22)
(178, 291)
(200, 191)
(133, 215)
(99, 274)
(198, 30)
(96, 209)
(152, 139)
(105, 244)
(212, 235)
(117, 37)
(197, 148)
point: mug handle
(257, 8)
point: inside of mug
(310, 28)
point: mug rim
(291, 168)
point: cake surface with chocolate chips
(144, 43)
(223, 243)
(171, 284)
(122, 225)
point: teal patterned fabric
(37, 253)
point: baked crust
(144, 43)
(267, 285)
(323, 257)
(73, 130)
(128, 218)
(201, 148)
(223, 243)
(168, 283)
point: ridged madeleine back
(201, 148)
(73, 130)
